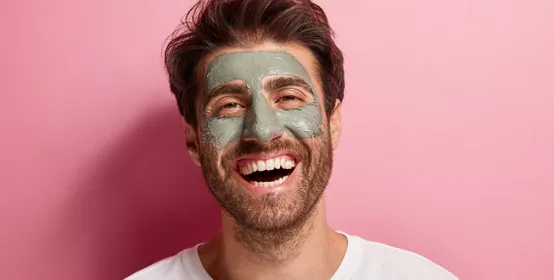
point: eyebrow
(273, 84)
(277, 83)
(228, 89)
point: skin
(313, 250)
(252, 69)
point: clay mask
(260, 121)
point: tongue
(268, 176)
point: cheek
(221, 132)
(304, 122)
(212, 159)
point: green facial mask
(260, 121)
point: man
(260, 85)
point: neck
(310, 251)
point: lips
(266, 172)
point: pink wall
(448, 145)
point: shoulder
(171, 268)
(394, 263)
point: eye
(231, 105)
(229, 109)
(288, 98)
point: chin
(269, 189)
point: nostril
(263, 139)
(276, 136)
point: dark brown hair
(212, 24)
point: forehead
(253, 66)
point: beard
(279, 215)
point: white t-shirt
(363, 260)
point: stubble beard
(273, 225)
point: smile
(266, 173)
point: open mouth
(268, 172)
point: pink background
(448, 144)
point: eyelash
(231, 107)
(226, 105)
(294, 98)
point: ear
(335, 125)
(191, 141)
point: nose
(261, 123)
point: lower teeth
(270, 184)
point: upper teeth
(248, 166)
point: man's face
(263, 138)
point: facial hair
(270, 223)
